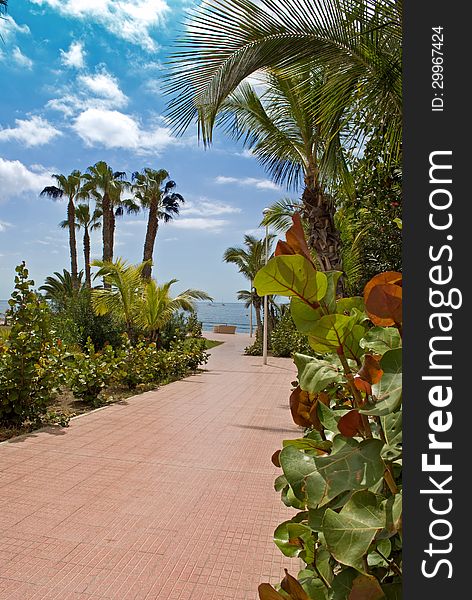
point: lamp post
(266, 301)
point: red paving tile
(167, 496)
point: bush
(76, 322)
(254, 349)
(286, 340)
(29, 374)
(88, 373)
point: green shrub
(174, 331)
(255, 349)
(75, 322)
(286, 339)
(194, 326)
(29, 359)
(88, 373)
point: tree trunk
(72, 243)
(257, 310)
(88, 277)
(323, 237)
(108, 227)
(151, 233)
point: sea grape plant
(344, 475)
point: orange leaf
(292, 586)
(362, 385)
(300, 406)
(295, 240)
(267, 592)
(370, 370)
(383, 298)
(350, 424)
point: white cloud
(32, 132)
(114, 129)
(206, 207)
(17, 179)
(4, 226)
(104, 86)
(9, 28)
(75, 56)
(20, 59)
(261, 184)
(214, 225)
(100, 91)
(130, 20)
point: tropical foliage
(249, 260)
(141, 304)
(357, 45)
(344, 475)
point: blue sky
(80, 82)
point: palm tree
(162, 203)
(88, 222)
(281, 130)
(139, 303)
(71, 187)
(157, 305)
(249, 261)
(357, 44)
(62, 287)
(279, 215)
(106, 186)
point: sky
(80, 82)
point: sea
(209, 313)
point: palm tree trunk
(72, 242)
(107, 229)
(257, 310)
(323, 236)
(151, 233)
(88, 277)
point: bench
(224, 329)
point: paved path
(166, 496)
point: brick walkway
(166, 496)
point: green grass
(211, 344)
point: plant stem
(391, 563)
(355, 392)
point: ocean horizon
(210, 314)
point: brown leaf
(275, 458)
(383, 299)
(290, 585)
(300, 406)
(362, 385)
(350, 424)
(267, 592)
(295, 241)
(366, 587)
(370, 370)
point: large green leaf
(330, 332)
(392, 428)
(291, 537)
(303, 315)
(348, 534)
(387, 394)
(382, 339)
(346, 305)
(315, 375)
(329, 300)
(292, 275)
(316, 480)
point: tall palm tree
(106, 186)
(249, 261)
(161, 202)
(281, 129)
(89, 222)
(69, 186)
(357, 44)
